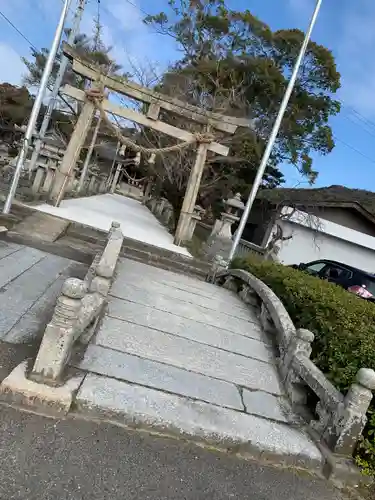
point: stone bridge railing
(43, 176)
(246, 248)
(338, 420)
(77, 309)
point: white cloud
(11, 68)
(355, 53)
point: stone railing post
(59, 334)
(153, 204)
(348, 421)
(167, 213)
(159, 207)
(50, 174)
(294, 385)
(301, 343)
(195, 217)
(71, 182)
(102, 185)
(38, 179)
(91, 188)
(249, 296)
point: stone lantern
(220, 240)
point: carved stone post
(102, 185)
(153, 204)
(50, 174)
(59, 334)
(160, 207)
(249, 296)
(92, 182)
(38, 179)
(196, 216)
(294, 385)
(347, 423)
(147, 192)
(71, 182)
(167, 213)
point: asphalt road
(44, 459)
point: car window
(315, 268)
(336, 273)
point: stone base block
(18, 389)
(343, 472)
(218, 247)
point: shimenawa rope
(97, 96)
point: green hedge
(343, 325)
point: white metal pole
(36, 107)
(60, 75)
(275, 131)
(88, 155)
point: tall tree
(234, 63)
(89, 48)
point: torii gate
(156, 101)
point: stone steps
(80, 242)
(143, 252)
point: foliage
(91, 49)
(88, 48)
(237, 62)
(343, 325)
(15, 104)
(15, 107)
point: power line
(138, 7)
(361, 125)
(18, 31)
(372, 160)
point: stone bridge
(219, 363)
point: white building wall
(321, 239)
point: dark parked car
(352, 279)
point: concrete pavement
(136, 220)
(30, 282)
(44, 459)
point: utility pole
(275, 131)
(59, 78)
(36, 107)
(88, 155)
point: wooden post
(73, 150)
(191, 194)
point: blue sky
(344, 26)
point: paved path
(137, 222)
(43, 459)
(180, 355)
(30, 282)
